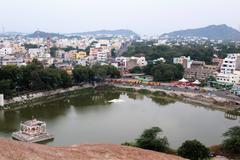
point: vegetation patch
(159, 93)
(163, 100)
(144, 91)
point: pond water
(92, 119)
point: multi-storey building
(230, 69)
(122, 62)
(184, 61)
(199, 70)
(230, 64)
(5, 51)
(102, 56)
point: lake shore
(44, 96)
(214, 102)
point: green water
(92, 119)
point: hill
(13, 150)
(215, 32)
(42, 34)
(122, 32)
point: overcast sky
(142, 16)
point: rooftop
(33, 122)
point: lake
(92, 119)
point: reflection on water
(92, 119)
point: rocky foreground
(13, 150)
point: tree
(66, 79)
(36, 82)
(199, 52)
(53, 51)
(100, 72)
(179, 71)
(6, 88)
(51, 78)
(81, 74)
(194, 150)
(212, 79)
(103, 71)
(164, 72)
(28, 80)
(113, 72)
(113, 52)
(150, 140)
(232, 143)
(28, 46)
(136, 69)
(96, 72)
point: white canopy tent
(197, 82)
(183, 80)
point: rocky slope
(13, 150)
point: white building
(122, 61)
(230, 69)
(230, 64)
(82, 62)
(185, 61)
(141, 61)
(102, 56)
(36, 51)
(161, 59)
(12, 60)
(5, 51)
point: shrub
(193, 150)
(150, 140)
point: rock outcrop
(13, 150)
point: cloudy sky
(142, 16)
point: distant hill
(215, 32)
(42, 34)
(12, 34)
(122, 32)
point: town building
(6, 51)
(184, 61)
(200, 71)
(130, 62)
(217, 62)
(161, 59)
(102, 56)
(230, 69)
(122, 62)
